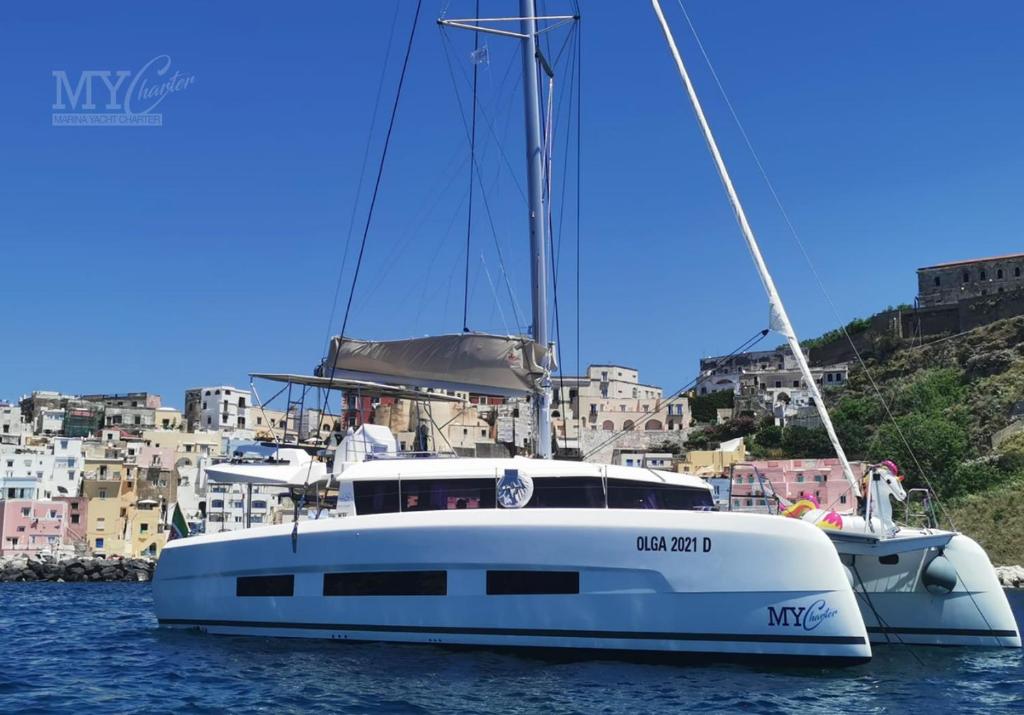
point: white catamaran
(511, 552)
(914, 585)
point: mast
(535, 192)
(778, 319)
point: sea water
(96, 648)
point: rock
(1010, 576)
(75, 569)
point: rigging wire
(555, 249)
(746, 345)
(362, 172)
(472, 166)
(579, 195)
(483, 195)
(369, 219)
(807, 258)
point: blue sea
(96, 648)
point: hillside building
(950, 283)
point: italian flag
(179, 527)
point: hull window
(386, 583)
(567, 493)
(376, 496)
(278, 585)
(624, 494)
(440, 494)
(523, 583)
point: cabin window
(439, 494)
(625, 494)
(387, 583)
(522, 583)
(277, 585)
(567, 493)
(376, 497)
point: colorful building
(792, 479)
(29, 527)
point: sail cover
(471, 362)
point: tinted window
(519, 583)
(567, 493)
(376, 497)
(435, 494)
(386, 583)
(624, 494)
(279, 585)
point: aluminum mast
(535, 189)
(778, 319)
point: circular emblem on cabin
(514, 489)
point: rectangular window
(440, 494)
(628, 494)
(376, 497)
(278, 585)
(99, 543)
(387, 583)
(521, 583)
(567, 493)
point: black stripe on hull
(530, 632)
(964, 632)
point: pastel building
(792, 479)
(29, 527)
(37, 473)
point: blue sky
(193, 253)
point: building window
(999, 273)
(99, 542)
(842, 498)
(982, 275)
(74, 518)
(937, 281)
(1016, 272)
(967, 276)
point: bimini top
(371, 389)
(472, 362)
(469, 467)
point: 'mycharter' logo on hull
(806, 617)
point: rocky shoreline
(78, 569)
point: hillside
(947, 399)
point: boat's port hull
(891, 582)
(670, 583)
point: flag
(480, 56)
(179, 527)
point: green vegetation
(704, 407)
(710, 436)
(947, 399)
(857, 325)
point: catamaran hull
(928, 588)
(668, 583)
